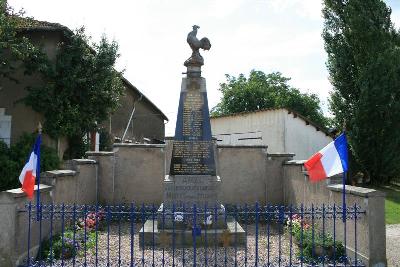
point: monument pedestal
(191, 190)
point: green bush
(13, 159)
(106, 140)
(314, 248)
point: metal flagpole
(38, 141)
(344, 208)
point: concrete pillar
(274, 174)
(377, 230)
(105, 175)
(371, 233)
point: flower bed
(75, 239)
(314, 246)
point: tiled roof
(29, 24)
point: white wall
(5, 127)
(302, 139)
(265, 125)
(277, 129)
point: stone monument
(191, 203)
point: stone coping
(242, 146)
(99, 153)
(58, 173)
(139, 145)
(357, 191)
(84, 161)
(17, 192)
(295, 162)
(283, 155)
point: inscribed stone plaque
(192, 152)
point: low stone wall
(135, 172)
(14, 225)
(371, 234)
(249, 174)
(77, 186)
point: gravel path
(393, 244)
(180, 257)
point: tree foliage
(16, 51)
(262, 91)
(363, 55)
(81, 88)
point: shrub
(12, 160)
(323, 244)
(106, 140)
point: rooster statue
(195, 44)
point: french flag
(31, 169)
(331, 160)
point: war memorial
(190, 199)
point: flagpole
(344, 213)
(38, 174)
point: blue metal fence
(137, 235)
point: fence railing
(230, 235)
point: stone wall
(77, 186)
(132, 173)
(371, 239)
(135, 172)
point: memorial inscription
(192, 115)
(192, 152)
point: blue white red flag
(31, 169)
(331, 160)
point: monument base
(189, 190)
(232, 235)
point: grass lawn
(392, 203)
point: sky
(266, 35)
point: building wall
(267, 125)
(5, 127)
(146, 121)
(277, 129)
(301, 138)
(24, 118)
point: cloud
(310, 9)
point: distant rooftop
(30, 24)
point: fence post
(371, 235)
(376, 229)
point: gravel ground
(180, 257)
(393, 244)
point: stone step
(232, 235)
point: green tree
(81, 89)
(262, 91)
(363, 54)
(16, 51)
